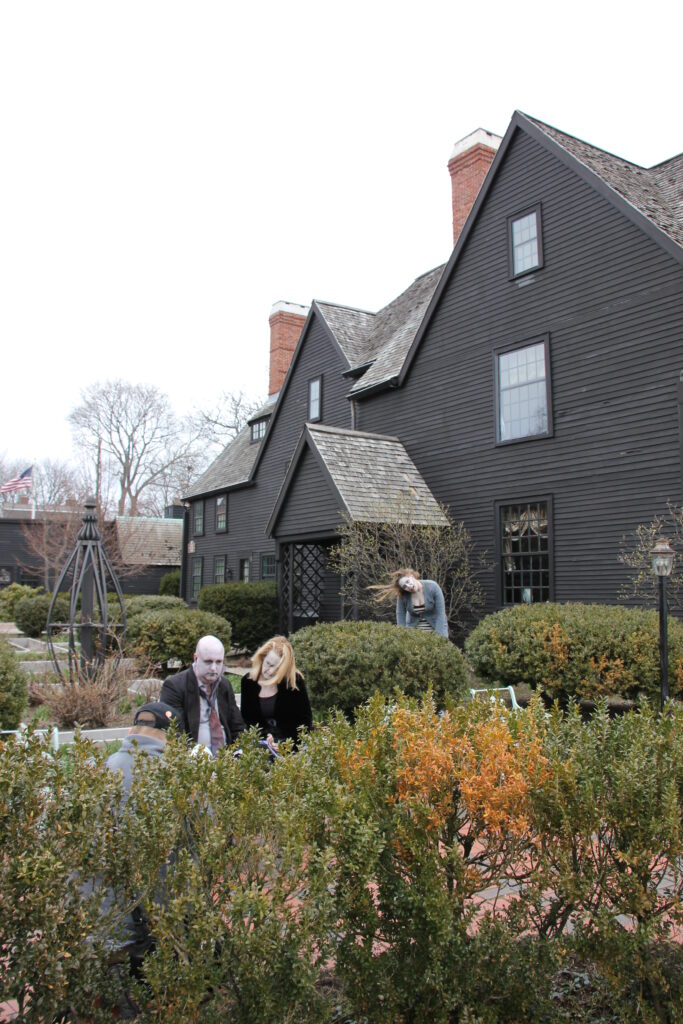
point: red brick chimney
(469, 162)
(286, 323)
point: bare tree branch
(132, 428)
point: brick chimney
(468, 164)
(286, 323)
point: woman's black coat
(292, 708)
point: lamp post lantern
(662, 557)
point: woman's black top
(290, 709)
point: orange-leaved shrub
(415, 864)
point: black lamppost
(662, 556)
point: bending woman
(419, 603)
(274, 693)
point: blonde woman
(419, 603)
(274, 696)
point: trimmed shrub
(11, 595)
(576, 650)
(30, 613)
(345, 663)
(13, 688)
(173, 633)
(251, 609)
(169, 585)
(141, 603)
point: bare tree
(642, 585)
(369, 552)
(132, 428)
(56, 484)
(221, 424)
(50, 539)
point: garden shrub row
(576, 650)
(13, 688)
(354, 881)
(344, 663)
(251, 609)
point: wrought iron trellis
(99, 635)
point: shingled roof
(351, 328)
(144, 541)
(234, 464)
(394, 329)
(373, 476)
(656, 192)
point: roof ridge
(575, 138)
(325, 428)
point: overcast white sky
(169, 170)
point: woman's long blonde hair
(287, 667)
(388, 592)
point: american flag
(18, 483)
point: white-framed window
(523, 406)
(219, 569)
(221, 513)
(315, 389)
(197, 576)
(198, 518)
(245, 570)
(268, 567)
(525, 241)
(258, 430)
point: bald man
(204, 699)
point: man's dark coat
(182, 692)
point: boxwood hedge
(251, 609)
(345, 663)
(13, 688)
(576, 650)
(173, 633)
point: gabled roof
(144, 541)
(371, 475)
(656, 192)
(394, 329)
(234, 464)
(351, 327)
(653, 199)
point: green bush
(576, 650)
(368, 877)
(30, 613)
(138, 604)
(361, 876)
(11, 595)
(345, 663)
(169, 585)
(13, 688)
(160, 635)
(251, 609)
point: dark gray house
(532, 384)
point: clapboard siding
(310, 506)
(249, 508)
(611, 301)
